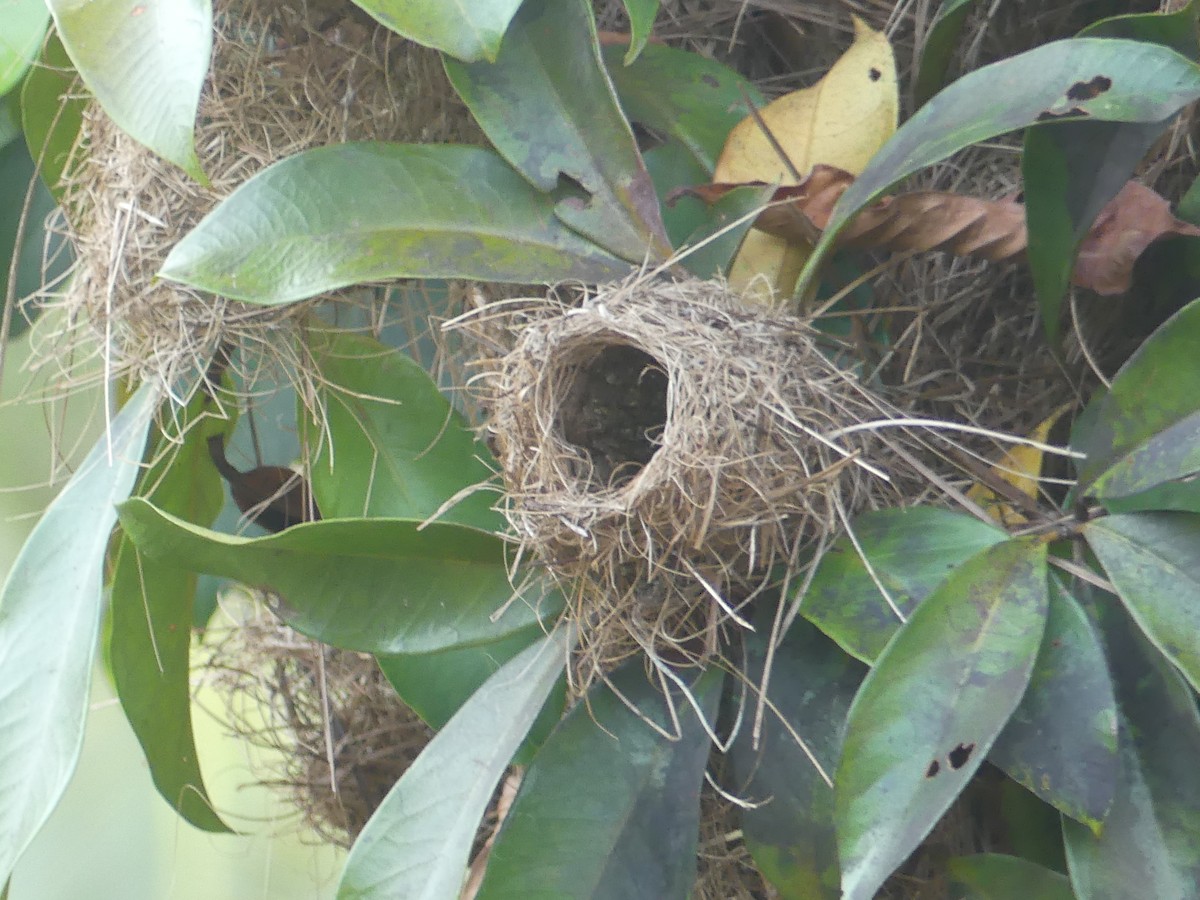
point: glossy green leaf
(939, 47)
(1101, 79)
(1061, 743)
(789, 829)
(994, 876)
(468, 29)
(435, 685)
(339, 215)
(25, 23)
(548, 106)
(145, 63)
(52, 105)
(50, 611)
(1146, 429)
(932, 706)
(610, 807)
(641, 22)
(1072, 169)
(1150, 845)
(418, 843)
(375, 585)
(911, 552)
(1153, 560)
(42, 256)
(392, 447)
(151, 609)
(683, 95)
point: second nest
(665, 448)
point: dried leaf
(1020, 467)
(968, 226)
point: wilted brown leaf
(967, 226)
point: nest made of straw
(663, 448)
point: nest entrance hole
(615, 411)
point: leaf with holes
(393, 447)
(1146, 429)
(1153, 560)
(339, 215)
(549, 108)
(908, 553)
(630, 826)
(442, 583)
(929, 711)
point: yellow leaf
(842, 121)
(1020, 467)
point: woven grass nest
(663, 448)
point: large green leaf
(789, 829)
(683, 95)
(1072, 169)
(335, 216)
(1099, 79)
(1150, 845)
(145, 63)
(718, 238)
(932, 706)
(1146, 429)
(42, 256)
(375, 585)
(25, 23)
(610, 807)
(49, 624)
(52, 108)
(468, 29)
(1061, 743)
(994, 876)
(392, 447)
(911, 551)
(1153, 560)
(418, 843)
(549, 107)
(151, 609)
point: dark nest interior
(686, 450)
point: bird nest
(663, 448)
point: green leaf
(1132, 81)
(145, 63)
(52, 108)
(418, 843)
(1072, 169)
(548, 106)
(1150, 845)
(435, 685)
(468, 29)
(932, 706)
(911, 552)
(25, 23)
(994, 876)
(392, 447)
(374, 585)
(672, 166)
(641, 22)
(49, 622)
(339, 215)
(1153, 560)
(939, 47)
(722, 233)
(610, 807)
(1146, 429)
(683, 95)
(151, 609)
(1061, 743)
(789, 829)
(16, 176)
